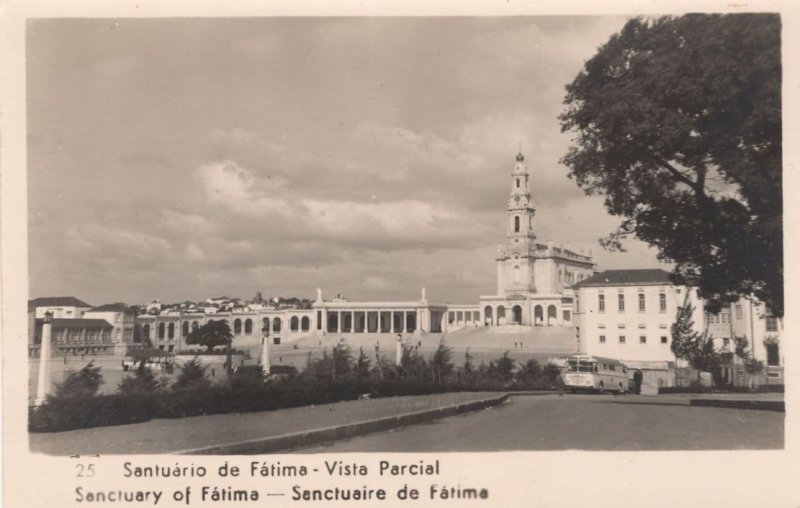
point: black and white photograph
(339, 235)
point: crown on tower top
(520, 157)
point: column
(403, 324)
(339, 322)
(43, 384)
(352, 321)
(379, 322)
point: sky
(190, 158)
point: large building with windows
(628, 315)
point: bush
(84, 383)
(142, 382)
(192, 376)
(69, 413)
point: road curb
(763, 405)
(273, 444)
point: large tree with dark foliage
(212, 334)
(677, 121)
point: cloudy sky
(182, 159)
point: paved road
(585, 422)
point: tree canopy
(212, 334)
(677, 122)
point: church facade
(533, 279)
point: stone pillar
(339, 322)
(403, 324)
(43, 383)
(380, 318)
(352, 321)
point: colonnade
(366, 321)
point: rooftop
(112, 307)
(649, 276)
(56, 301)
(78, 323)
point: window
(725, 317)
(622, 339)
(738, 311)
(621, 302)
(516, 224)
(641, 302)
(602, 339)
(662, 302)
(517, 183)
(772, 354)
(772, 324)
(601, 303)
(663, 339)
(642, 339)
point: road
(584, 422)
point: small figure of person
(637, 381)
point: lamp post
(399, 351)
(265, 367)
(43, 384)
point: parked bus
(596, 374)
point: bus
(595, 374)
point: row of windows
(642, 339)
(168, 331)
(662, 302)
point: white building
(62, 307)
(627, 314)
(122, 318)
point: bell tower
(515, 255)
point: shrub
(69, 413)
(192, 376)
(142, 382)
(84, 383)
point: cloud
(233, 187)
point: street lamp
(265, 367)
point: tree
(362, 364)
(143, 381)
(440, 363)
(83, 383)
(695, 347)
(342, 360)
(501, 369)
(677, 121)
(192, 376)
(211, 335)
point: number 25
(85, 471)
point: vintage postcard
(378, 254)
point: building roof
(112, 307)
(647, 276)
(78, 323)
(56, 301)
